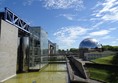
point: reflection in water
(53, 73)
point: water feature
(53, 73)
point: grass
(98, 74)
(103, 74)
(104, 60)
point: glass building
(43, 47)
(38, 48)
(22, 47)
(34, 53)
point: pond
(52, 73)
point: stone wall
(8, 50)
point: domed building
(89, 45)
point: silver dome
(90, 43)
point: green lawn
(110, 76)
(104, 60)
(104, 75)
(98, 74)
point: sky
(68, 22)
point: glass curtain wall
(34, 58)
(44, 48)
(38, 48)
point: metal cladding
(90, 43)
(12, 18)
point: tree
(61, 51)
(74, 50)
(111, 48)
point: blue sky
(68, 22)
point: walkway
(53, 73)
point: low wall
(76, 71)
(79, 65)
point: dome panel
(90, 43)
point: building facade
(22, 48)
(38, 48)
(89, 45)
(95, 55)
(8, 50)
(52, 48)
(13, 45)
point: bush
(115, 59)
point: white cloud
(106, 37)
(29, 2)
(97, 5)
(63, 4)
(108, 10)
(83, 19)
(99, 33)
(115, 42)
(68, 16)
(68, 35)
(111, 29)
(98, 24)
(73, 17)
(105, 11)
